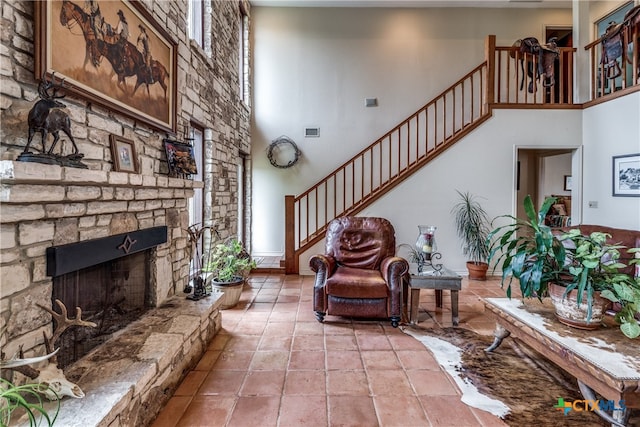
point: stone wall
(45, 205)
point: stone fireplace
(116, 245)
(44, 206)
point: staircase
(414, 142)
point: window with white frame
(196, 21)
(243, 60)
(196, 202)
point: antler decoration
(50, 375)
(46, 84)
(62, 320)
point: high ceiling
(414, 3)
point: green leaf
(609, 295)
(630, 329)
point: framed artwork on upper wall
(626, 175)
(112, 53)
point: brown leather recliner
(359, 274)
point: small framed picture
(180, 158)
(626, 175)
(123, 153)
(567, 183)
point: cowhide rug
(514, 376)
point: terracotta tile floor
(273, 364)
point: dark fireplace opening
(111, 294)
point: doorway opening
(545, 172)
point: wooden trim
(490, 58)
(290, 232)
(611, 96)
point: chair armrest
(392, 269)
(323, 266)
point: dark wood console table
(604, 360)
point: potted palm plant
(472, 226)
(567, 266)
(228, 266)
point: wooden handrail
(388, 161)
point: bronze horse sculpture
(124, 58)
(540, 60)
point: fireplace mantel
(14, 172)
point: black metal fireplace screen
(112, 295)
(109, 279)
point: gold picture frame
(108, 69)
(123, 154)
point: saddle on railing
(612, 48)
(616, 42)
(544, 63)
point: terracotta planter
(477, 271)
(569, 313)
(231, 291)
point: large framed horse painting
(112, 53)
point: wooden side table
(447, 279)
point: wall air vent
(311, 132)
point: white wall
(428, 196)
(315, 67)
(554, 169)
(610, 129)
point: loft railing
(517, 87)
(424, 135)
(603, 85)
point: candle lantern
(426, 247)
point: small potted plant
(228, 266)
(590, 268)
(472, 226)
(594, 272)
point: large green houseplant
(472, 226)
(529, 251)
(228, 266)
